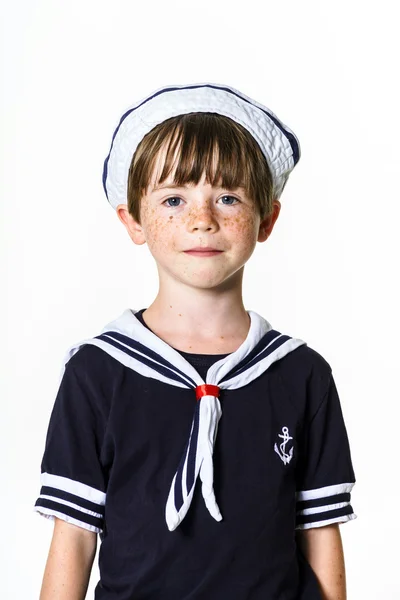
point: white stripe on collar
(138, 348)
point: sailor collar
(131, 343)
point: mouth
(203, 252)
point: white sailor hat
(278, 143)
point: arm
(69, 563)
(322, 547)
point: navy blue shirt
(113, 444)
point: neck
(199, 320)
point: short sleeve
(72, 480)
(324, 472)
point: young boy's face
(177, 219)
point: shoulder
(89, 358)
(306, 375)
(93, 368)
(307, 363)
(87, 384)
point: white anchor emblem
(283, 455)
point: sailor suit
(195, 470)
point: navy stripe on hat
(289, 135)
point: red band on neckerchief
(206, 389)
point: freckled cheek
(243, 227)
(158, 231)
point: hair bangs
(195, 144)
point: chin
(213, 281)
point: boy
(132, 451)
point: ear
(134, 229)
(267, 225)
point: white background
(328, 274)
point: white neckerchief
(131, 343)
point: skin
(323, 549)
(196, 293)
(69, 562)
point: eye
(172, 198)
(232, 198)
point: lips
(203, 249)
(203, 252)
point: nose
(202, 217)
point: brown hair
(202, 137)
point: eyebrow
(170, 187)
